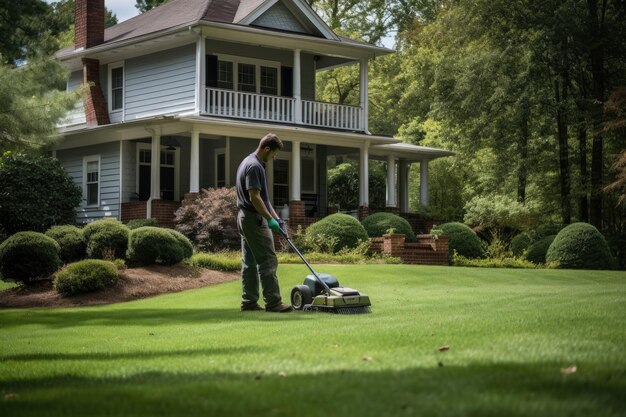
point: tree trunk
(597, 76)
(583, 203)
(522, 171)
(561, 123)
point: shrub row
(29, 256)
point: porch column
(294, 192)
(364, 175)
(200, 74)
(194, 163)
(424, 182)
(297, 89)
(403, 185)
(155, 166)
(363, 93)
(391, 181)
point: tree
(31, 105)
(23, 26)
(145, 5)
(35, 193)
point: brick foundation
(364, 211)
(426, 251)
(162, 210)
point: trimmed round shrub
(28, 256)
(137, 223)
(537, 251)
(106, 239)
(184, 243)
(151, 245)
(343, 231)
(520, 243)
(462, 239)
(86, 276)
(580, 246)
(71, 241)
(377, 225)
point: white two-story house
(182, 93)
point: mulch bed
(134, 283)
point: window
(281, 182)
(116, 97)
(225, 75)
(269, 80)
(220, 167)
(250, 75)
(169, 164)
(246, 77)
(91, 180)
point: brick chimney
(88, 23)
(89, 32)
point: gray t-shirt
(251, 174)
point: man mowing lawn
(255, 219)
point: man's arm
(259, 205)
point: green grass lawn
(510, 333)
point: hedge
(71, 240)
(107, 238)
(86, 276)
(463, 240)
(28, 256)
(378, 224)
(580, 246)
(339, 230)
(151, 245)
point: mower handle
(286, 236)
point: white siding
(72, 161)
(160, 83)
(76, 116)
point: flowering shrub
(210, 221)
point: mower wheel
(300, 296)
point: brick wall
(89, 23)
(162, 210)
(96, 110)
(425, 251)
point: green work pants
(259, 261)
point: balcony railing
(237, 104)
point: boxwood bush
(462, 239)
(86, 276)
(137, 223)
(28, 256)
(107, 238)
(520, 243)
(344, 231)
(151, 245)
(71, 240)
(580, 246)
(377, 225)
(538, 249)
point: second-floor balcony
(271, 108)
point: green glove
(273, 224)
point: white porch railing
(336, 116)
(229, 103)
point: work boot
(279, 308)
(251, 307)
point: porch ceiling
(184, 125)
(411, 153)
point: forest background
(530, 95)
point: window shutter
(211, 71)
(286, 81)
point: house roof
(183, 13)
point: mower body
(312, 296)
